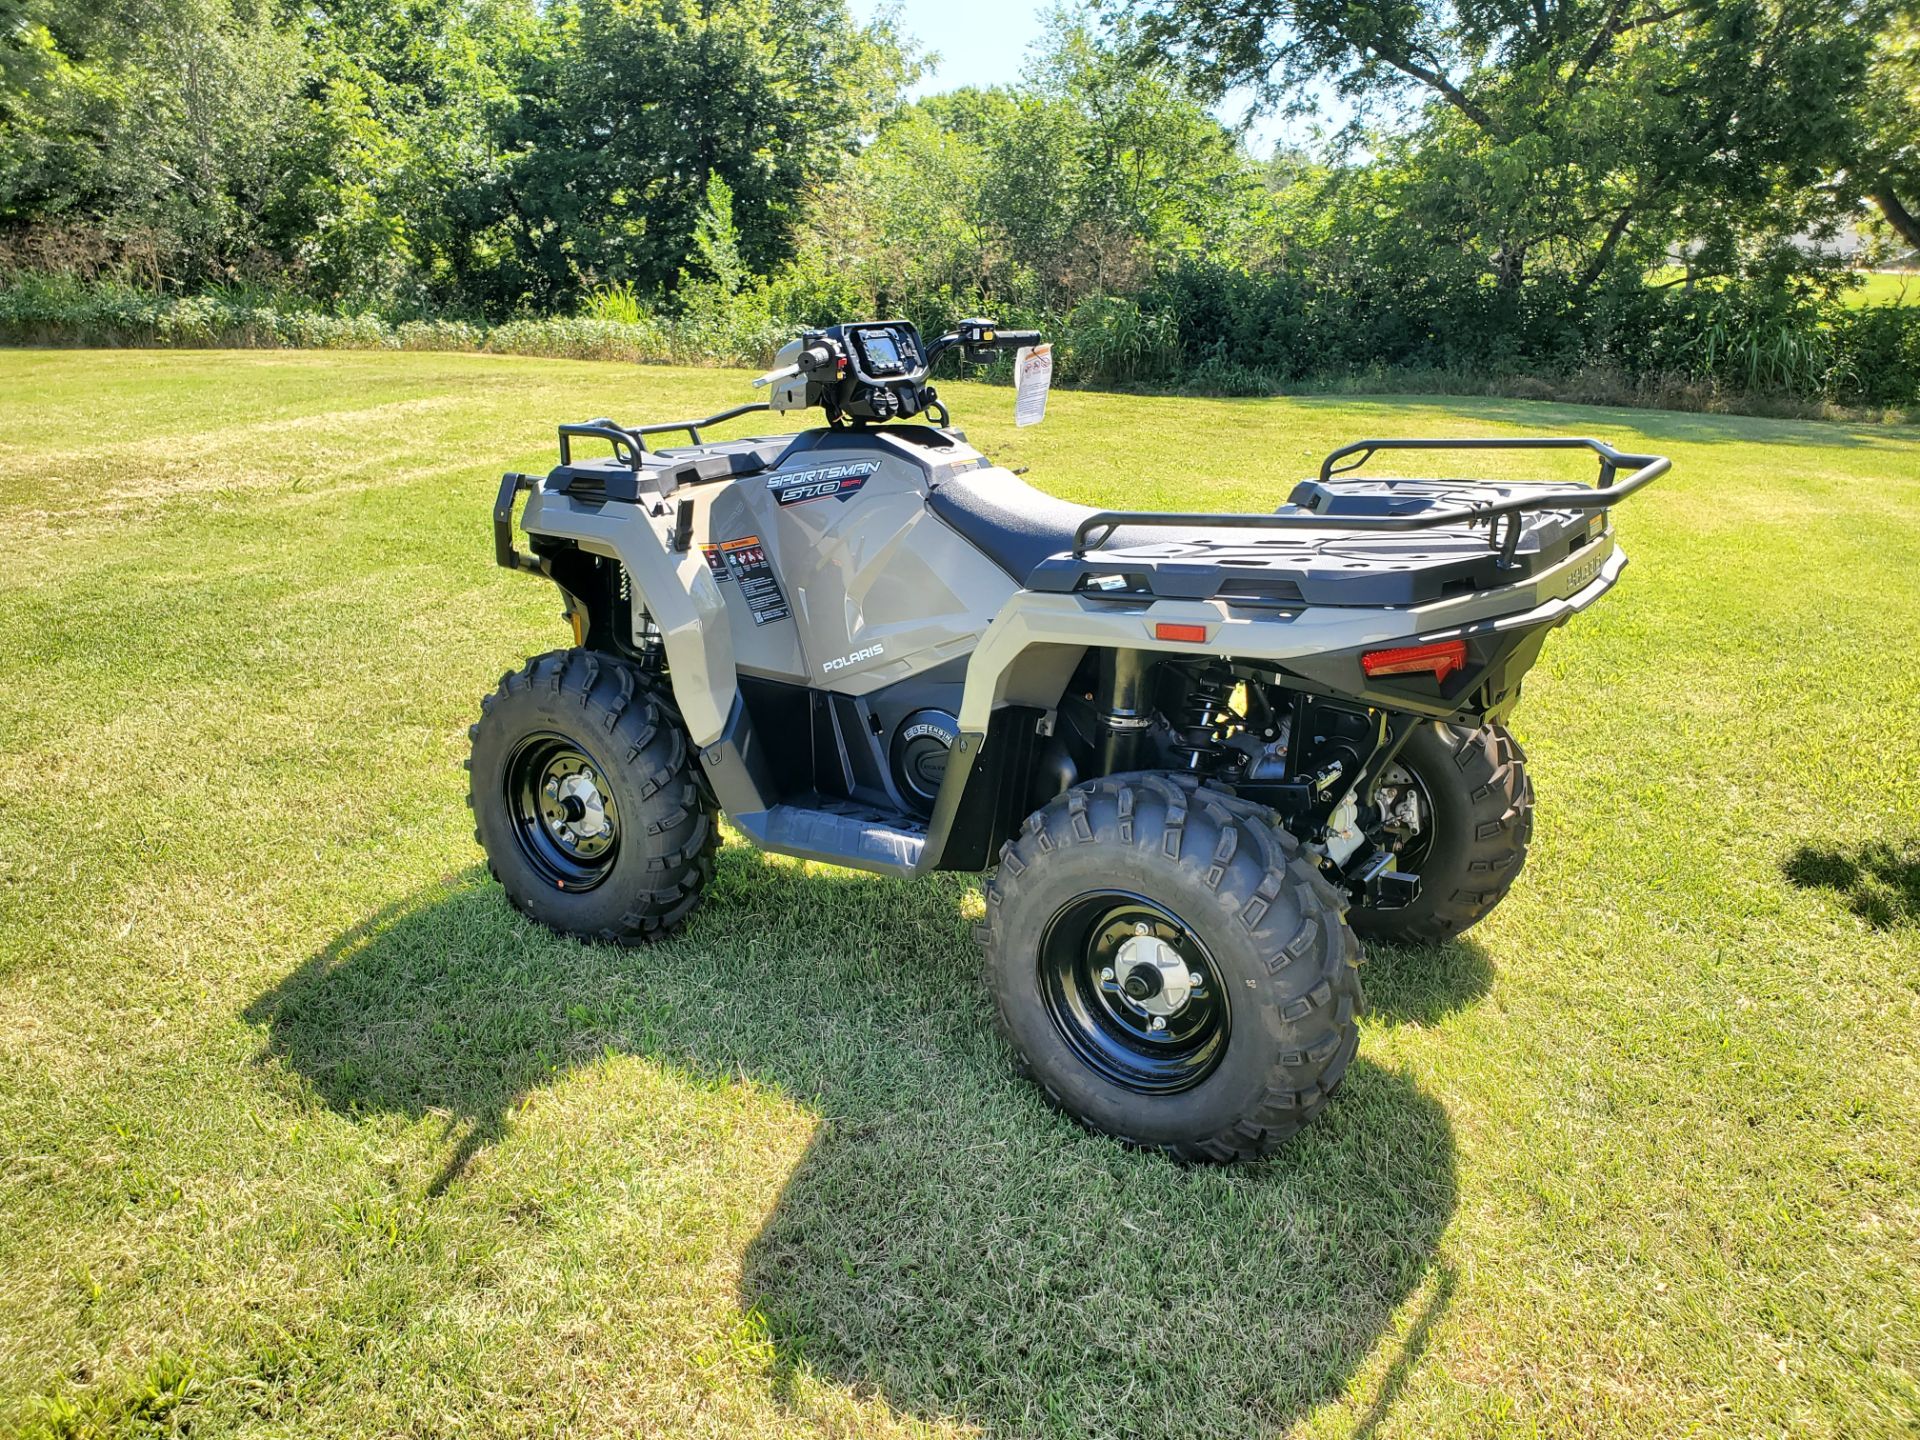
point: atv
(1203, 755)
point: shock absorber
(1126, 714)
(1201, 716)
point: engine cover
(918, 756)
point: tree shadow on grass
(1879, 881)
(946, 1242)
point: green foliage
(1889, 170)
(1593, 188)
(716, 243)
(152, 131)
(1111, 339)
(766, 96)
(617, 302)
(1098, 169)
(1581, 141)
(1203, 332)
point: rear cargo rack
(1098, 528)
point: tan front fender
(676, 590)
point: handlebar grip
(813, 358)
(1017, 337)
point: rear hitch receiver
(1383, 887)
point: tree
(388, 182)
(147, 129)
(1585, 138)
(1087, 175)
(637, 102)
(1157, 176)
(1889, 170)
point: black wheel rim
(564, 817)
(1094, 959)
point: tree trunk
(1604, 256)
(1902, 219)
(1510, 265)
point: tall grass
(1110, 338)
(616, 304)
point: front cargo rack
(630, 441)
(1098, 528)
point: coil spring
(1201, 718)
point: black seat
(1007, 519)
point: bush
(1201, 329)
(439, 335)
(617, 303)
(1108, 338)
(1877, 355)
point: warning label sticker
(715, 565)
(745, 560)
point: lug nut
(1195, 979)
(1106, 974)
(1159, 1022)
(1140, 927)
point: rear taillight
(1439, 660)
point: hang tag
(1032, 378)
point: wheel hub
(1153, 976)
(1406, 812)
(573, 808)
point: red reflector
(1439, 660)
(1192, 634)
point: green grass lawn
(1871, 287)
(1886, 287)
(303, 1133)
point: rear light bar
(1439, 660)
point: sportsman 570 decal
(839, 481)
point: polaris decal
(870, 653)
(839, 481)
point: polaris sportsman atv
(1202, 754)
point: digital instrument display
(886, 351)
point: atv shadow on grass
(946, 1242)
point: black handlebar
(971, 338)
